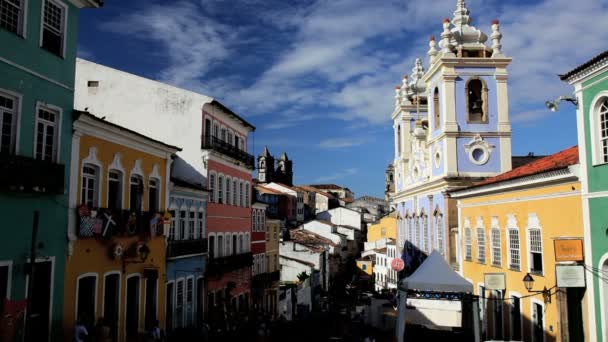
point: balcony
(218, 266)
(26, 174)
(265, 280)
(107, 223)
(213, 143)
(179, 248)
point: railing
(213, 143)
(177, 248)
(264, 280)
(26, 174)
(220, 265)
(106, 223)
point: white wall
(291, 268)
(159, 111)
(324, 230)
(342, 217)
(301, 252)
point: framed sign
(495, 281)
(570, 275)
(568, 250)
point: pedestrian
(102, 330)
(155, 332)
(80, 331)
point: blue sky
(317, 77)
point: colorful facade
(115, 267)
(271, 295)
(451, 125)
(509, 224)
(385, 228)
(36, 96)
(591, 89)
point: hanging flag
(84, 210)
(86, 226)
(97, 224)
(109, 226)
(153, 224)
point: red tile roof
(266, 190)
(555, 161)
(327, 186)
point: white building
(343, 217)
(385, 277)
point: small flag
(86, 226)
(97, 223)
(108, 225)
(153, 224)
(83, 210)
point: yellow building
(273, 233)
(507, 226)
(116, 256)
(366, 265)
(385, 228)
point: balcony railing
(213, 143)
(26, 174)
(178, 248)
(107, 223)
(218, 266)
(265, 280)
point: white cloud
(336, 143)
(337, 175)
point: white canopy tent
(434, 275)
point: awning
(436, 275)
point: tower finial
(417, 84)
(461, 15)
(496, 39)
(432, 53)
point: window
(220, 246)
(212, 248)
(182, 225)
(514, 249)
(8, 115)
(5, 280)
(179, 305)
(153, 196)
(267, 233)
(89, 192)
(115, 190)
(468, 245)
(481, 245)
(228, 191)
(189, 299)
(227, 246)
(603, 136)
(201, 227)
(211, 187)
(236, 142)
(11, 15)
(229, 137)
(136, 193)
(215, 131)
(220, 189)
(425, 234)
(418, 241)
(191, 225)
(241, 244)
(223, 134)
(86, 298)
(241, 195)
(536, 251)
(47, 131)
(439, 234)
(234, 193)
(172, 227)
(234, 244)
(436, 109)
(53, 27)
(399, 139)
(477, 100)
(246, 195)
(496, 253)
(515, 318)
(111, 296)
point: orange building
(115, 266)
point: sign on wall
(495, 281)
(570, 275)
(568, 250)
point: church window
(477, 101)
(399, 139)
(436, 111)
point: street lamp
(529, 284)
(554, 105)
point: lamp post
(554, 105)
(529, 284)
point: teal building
(37, 66)
(590, 81)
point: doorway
(169, 306)
(111, 293)
(132, 307)
(538, 318)
(38, 317)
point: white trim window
(9, 113)
(496, 252)
(536, 250)
(246, 195)
(52, 37)
(228, 191)
(115, 189)
(514, 257)
(439, 232)
(136, 193)
(603, 131)
(234, 193)
(425, 233)
(12, 15)
(182, 225)
(172, 226)
(201, 225)
(191, 225)
(417, 232)
(189, 300)
(153, 195)
(47, 134)
(89, 192)
(220, 246)
(241, 195)
(220, 189)
(212, 187)
(481, 245)
(179, 303)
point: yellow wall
(93, 255)
(559, 213)
(369, 268)
(272, 243)
(386, 228)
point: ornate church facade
(451, 128)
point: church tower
(284, 171)
(265, 167)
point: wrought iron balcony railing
(220, 265)
(213, 143)
(178, 248)
(107, 223)
(264, 280)
(26, 174)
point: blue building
(186, 249)
(451, 125)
